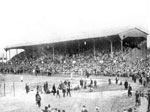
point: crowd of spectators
(102, 63)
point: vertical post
(94, 47)
(146, 47)
(14, 88)
(53, 52)
(9, 54)
(65, 47)
(4, 88)
(78, 47)
(111, 48)
(122, 46)
(6, 55)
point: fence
(7, 88)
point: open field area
(109, 98)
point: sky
(34, 21)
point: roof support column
(53, 51)
(65, 48)
(3, 58)
(78, 47)
(111, 48)
(6, 55)
(9, 54)
(122, 46)
(146, 47)
(94, 47)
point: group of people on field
(50, 109)
(92, 84)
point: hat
(49, 105)
(97, 108)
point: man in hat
(68, 91)
(54, 89)
(27, 88)
(64, 91)
(49, 108)
(116, 80)
(38, 99)
(95, 83)
(109, 81)
(57, 93)
(129, 91)
(84, 109)
(126, 84)
(21, 78)
(137, 98)
(45, 110)
(81, 82)
(97, 109)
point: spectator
(49, 108)
(45, 110)
(97, 109)
(84, 109)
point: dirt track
(109, 98)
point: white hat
(97, 108)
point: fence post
(4, 88)
(0, 88)
(14, 88)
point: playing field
(109, 98)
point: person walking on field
(54, 89)
(126, 84)
(68, 91)
(81, 83)
(57, 93)
(91, 83)
(137, 98)
(95, 83)
(64, 91)
(109, 81)
(116, 80)
(38, 99)
(27, 88)
(129, 91)
(21, 78)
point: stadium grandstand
(120, 53)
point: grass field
(109, 98)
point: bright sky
(31, 21)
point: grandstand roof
(133, 32)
